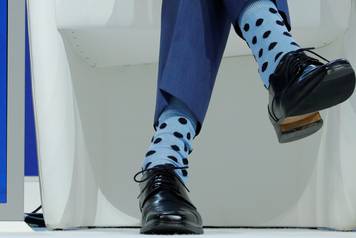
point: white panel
(12, 210)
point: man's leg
(235, 9)
(193, 39)
(299, 85)
(265, 30)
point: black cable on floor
(35, 219)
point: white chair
(94, 78)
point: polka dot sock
(267, 35)
(172, 141)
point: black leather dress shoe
(294, 104)
(164, 203)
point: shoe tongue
(307, 70)
(164, 166)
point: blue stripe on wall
(31, 166)
(3, 99)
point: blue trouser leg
(193, 40)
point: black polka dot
(185, 148)
(184, 172)
(152, 138)
(175, 147)
(182, 120)
(163, 125)
(272, 46)
(260, 53)
(272, 10)
(148, 165)
(185, 161)
(264, 67)
(246, 27)
(177, 134)
(188, 136)
(293, 43)
(190, 151)
(155, 125)
(259, 22)
(172, 158)
(254, 40)
(280, 23)
(151, 152)
(286, 33)
(277, 56)
(157, 140)
(266, 34)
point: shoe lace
(161, 178)
(296, 65)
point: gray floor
(125, 232)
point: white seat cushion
(121, 32)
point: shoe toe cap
(176, 216)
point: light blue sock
(172, 141)
(267, 35)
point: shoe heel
(297, 127)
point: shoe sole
(170, 228)
(298, 129)
(304, 118)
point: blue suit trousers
(193, 39)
